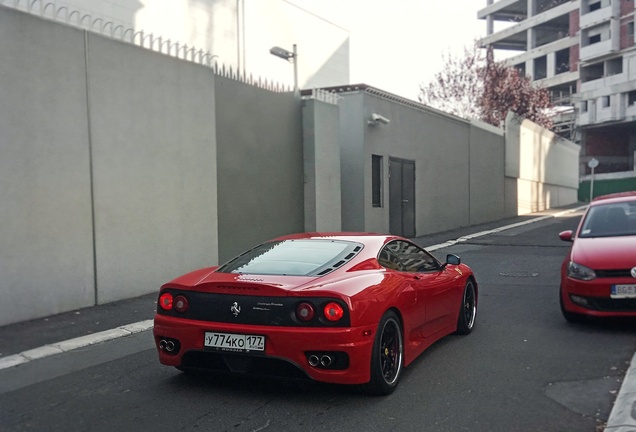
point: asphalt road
(524, 368)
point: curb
(503, 228)
(72, 344)
(623, 415)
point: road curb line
(72, 344)
(623, 415)
(499, 229)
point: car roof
(615, 197)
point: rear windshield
(608, 220)
(294, 258)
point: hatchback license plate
(623, 291)
(234, 342)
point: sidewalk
(28, 335)
(36, 339)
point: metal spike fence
(51, 11)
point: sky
(397, 45)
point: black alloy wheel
(387, 356)
(468, 309)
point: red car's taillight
(165, 301)
(180, 304)
(305, 312)
(333, 311)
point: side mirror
(566, 236)
(453, 259)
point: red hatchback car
(347, 308)
(598, 276)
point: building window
(562, 61)
(540, 68)
(376, 180)
(595, 6)
(605, 101)
(631, 98)
(584, 106)
(594, 39)
(630, 29)
(614, 66)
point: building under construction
(583, 51)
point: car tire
(467, 309)
(387, 356)
(572, 317)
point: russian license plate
(623, 291)
(234, 342)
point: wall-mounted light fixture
(378, 119)
(291, 56)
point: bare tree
(456, 88)
(475, 86)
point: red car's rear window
(304, 257)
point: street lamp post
(291, 56)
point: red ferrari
(598, 275)
(346, 308)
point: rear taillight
(165, 301)
(180, 304)
(333, 311)
(305, 312)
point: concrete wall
(544, 164)
(107, 168)
(109, 158)
(489, 199)
(46, 230)
(323, 208)
(152, 122)
(459, 165)
(260, 165)
(351, 126)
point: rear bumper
(288, 344)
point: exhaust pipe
(167, 345)
(325, 361)
(313, 360)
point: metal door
(402, 197)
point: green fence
(606, 186)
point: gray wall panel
(323, 207)
(352, 132)
(260, 160)
(46, 253)
(487, 186)
(153, 139)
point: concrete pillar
(551, 65)
(532, 39)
